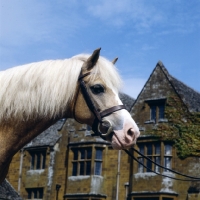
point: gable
(160, 84)
(157, 87)
(167, 108)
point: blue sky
(139, 32)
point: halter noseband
(98, 115)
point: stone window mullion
(162, 155)
(93, 160)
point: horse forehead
(110, 90)
(113, 97)
(97, 79)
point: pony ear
(92, 60)
(114, 61)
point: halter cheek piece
(98, 115)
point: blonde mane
(43, 89)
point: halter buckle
(110, 129)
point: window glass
(88, 167)
(29, 194)
(168, 149)
(98, 161)
(141, 148)
(81, 168)
(89, 153)
(38, 159)
(167, 163)
(75, 154)
(97, 168)
(153, 151)
(157, 148)
(98, 154)
(140, 166)
(153, 112)
(149, 164)
(161, 111)
(157, 110)
(168, 156)
(82, 153)
(32, 161)
(40, 193)
(149, 149)
(35, 193)
(157, 160)
(82, 163)
(74, 169)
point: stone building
(66, 162)
(168, 115)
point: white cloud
(139, 14)
(109, 8)
(143, 16)
(133, 86)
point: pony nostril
(130, 132)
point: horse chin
(116, 144)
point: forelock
(104, 70)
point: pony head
(102, 83)
(50, 90)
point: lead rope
(175, 172)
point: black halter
(98, 115)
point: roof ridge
(190, 97)
(184, 84)
(170, 76)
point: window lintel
(155, 101)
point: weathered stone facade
(156, 130)
(87, 167)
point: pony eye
(97, 89)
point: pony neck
(14, 137)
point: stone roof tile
(48, 137)
(127, 100)
(8, 192)
(190, 97)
